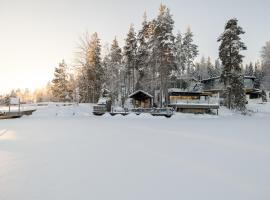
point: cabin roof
(218, 77)
(140, 94)
(179, 90)
(249, 77)
(209, 79)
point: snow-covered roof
(136, 92)
(182, 90)
(102, 101)
(217, 77)
(212, 78)
(250, 77)
(175, 90)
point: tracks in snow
(3, 131)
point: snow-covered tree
(218, 68)
(200, 71)
(238, 101)
(264, 96)
(229, 53)
(258, 75)
(211, 72)
(90, 72)
(60, 82)
(130, 52)
(112, 64)
(180, 56)
(265, 55)
(95, 71)
(190, 51)
(163, 50)
(249, 70)
(142, 56)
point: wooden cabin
(141, 99)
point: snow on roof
(182, 90)
(102, 101)
(212, 78)
(250, 77)
(141, 92)
(217, 77)
(175, 90)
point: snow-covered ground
(66, 153)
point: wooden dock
(16, 114)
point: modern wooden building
(214, 85)
(193, 102)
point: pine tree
(258, 75)
(95, 71)
(249, 71)
(200, 72)
(218, 68)
(90, 72)
(130, 51)
(211, 72)
(180, 59)
(229, 54)
(143, 56)
(238, 101)
(265, 55)
(71, 87)
(163, 48)
(190, 51)
(112, 65)
(60, 82)
(153, 56)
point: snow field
(81, 156)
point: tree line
(153, 58)
(150, 60)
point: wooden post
(19, 106)
(9, 105)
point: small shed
(141, 99)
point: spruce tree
(180, 59)
(218, 68)
(164, 47)
(200, 71)
(249, 71)
(190, 51)
(143, 57)
(210, 69)
(258, 75)
(130, 51)
(238, 101)
(113, 64)
(92, 70)
(153, 56)
(264, 96)
(60, 82)
(89, 69)
(229, 53)
(265, 55)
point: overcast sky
(36, 35)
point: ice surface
(66, 153)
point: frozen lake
(75, 155)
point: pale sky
(36, 35)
